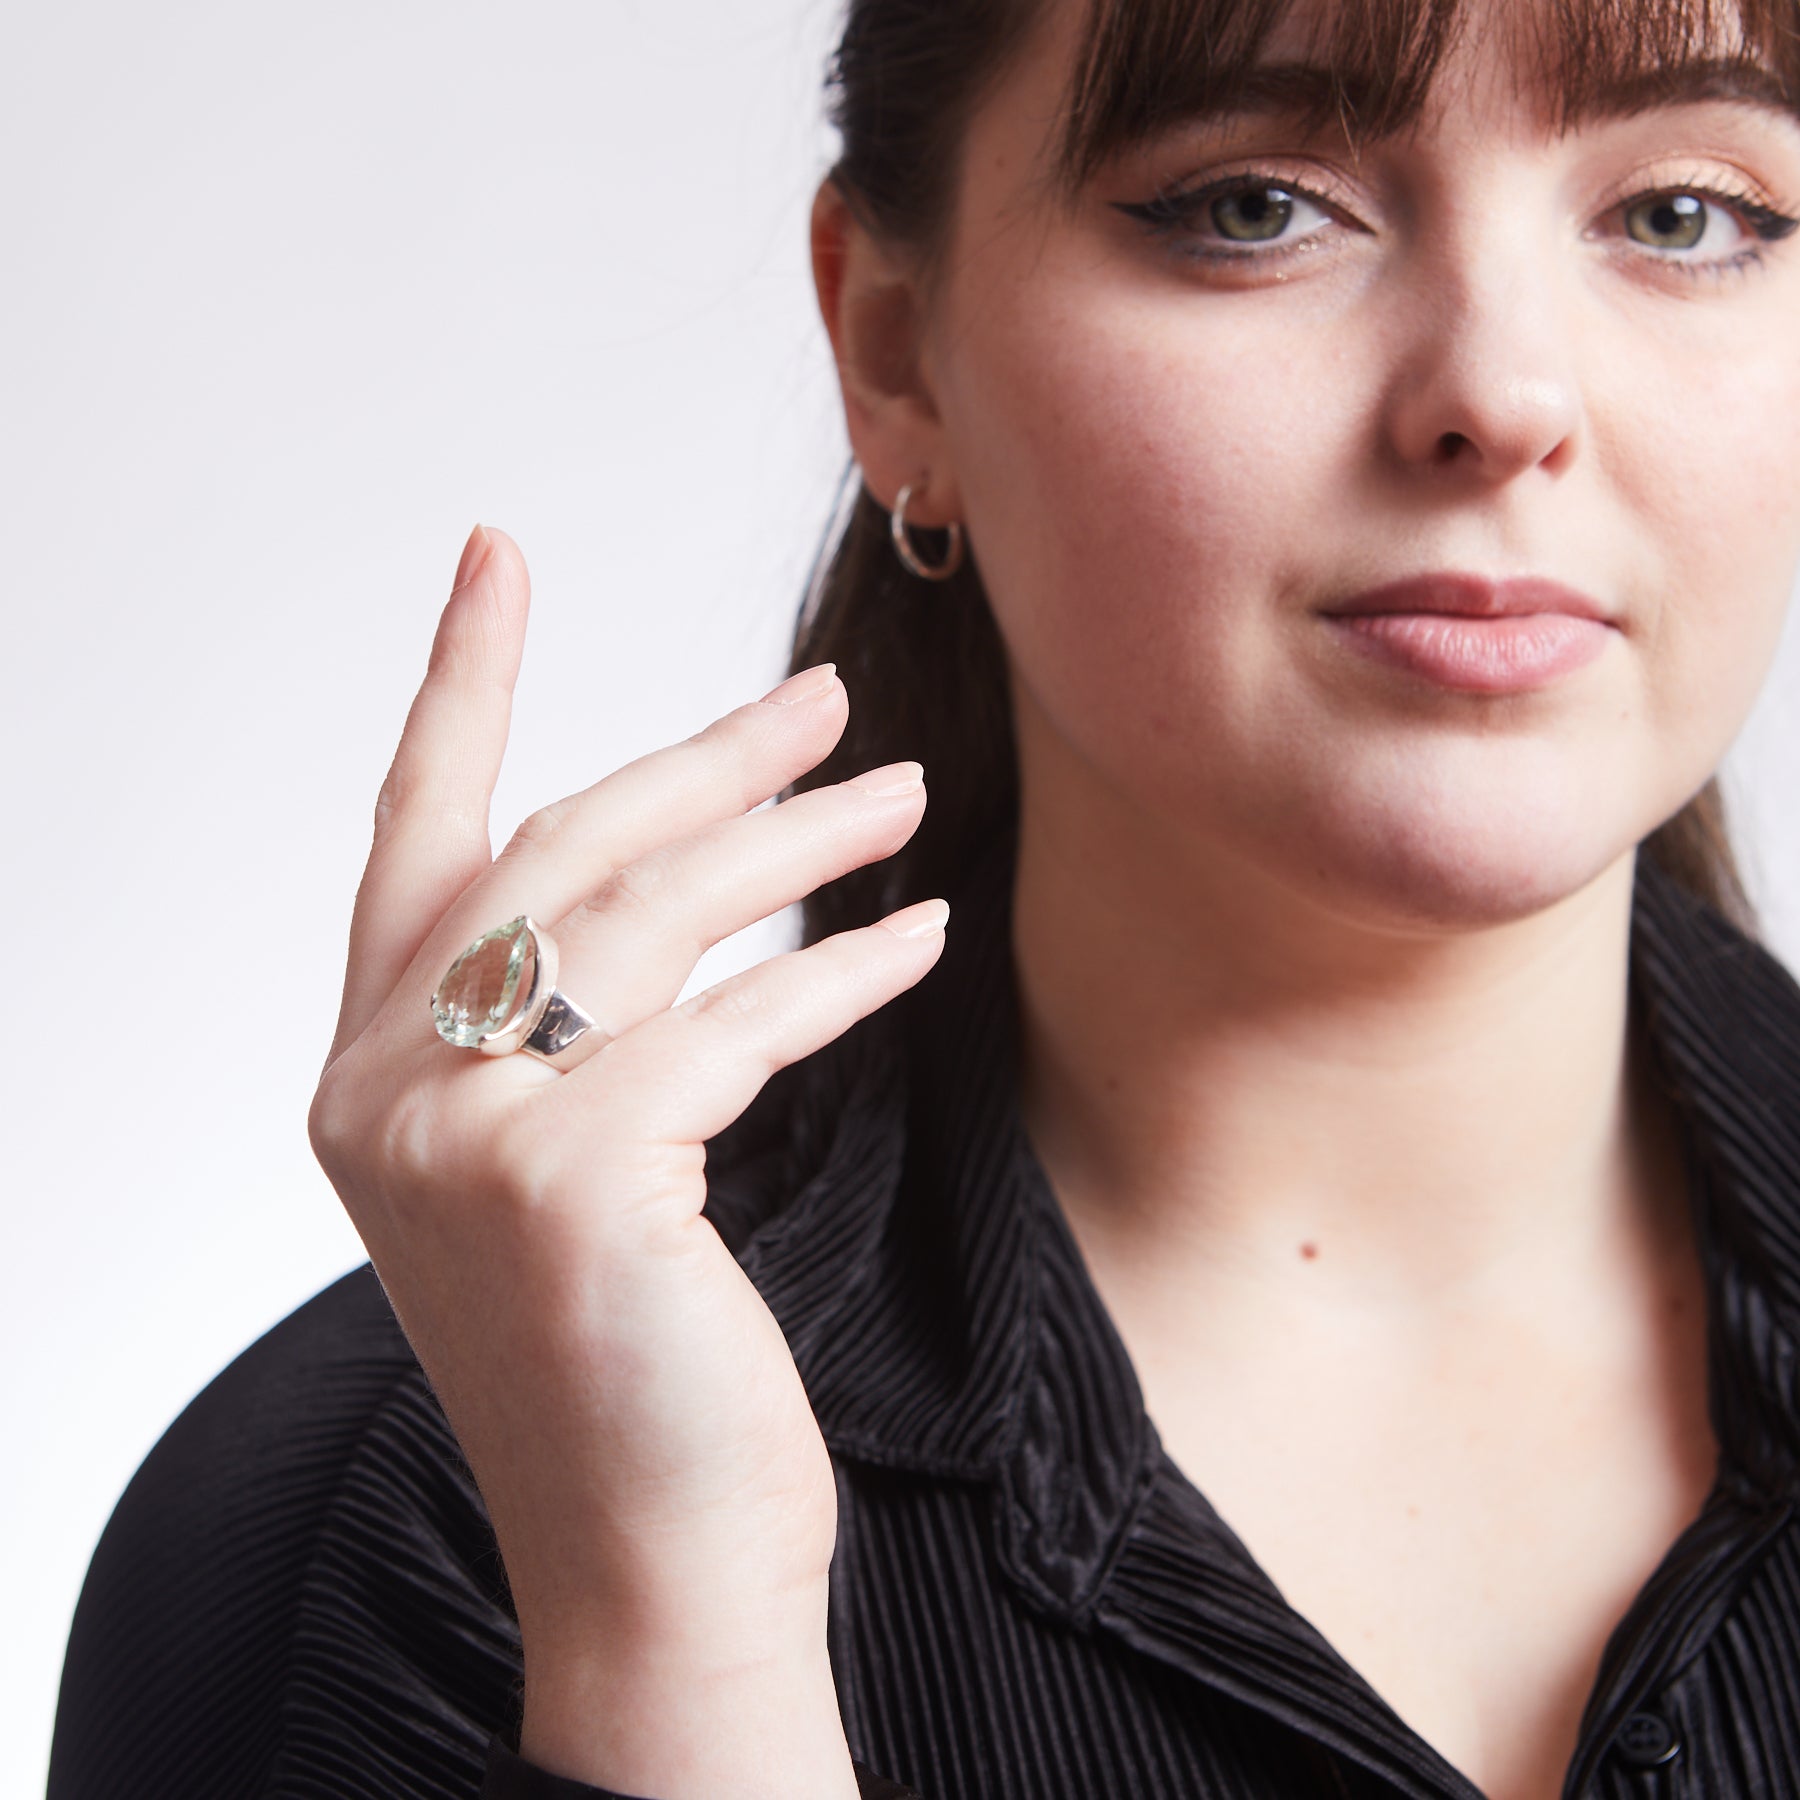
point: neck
(1226, 1080)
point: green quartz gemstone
(477, 996)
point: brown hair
(924, 661)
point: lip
(1473, 634)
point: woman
(1302, 1301)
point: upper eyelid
(1249, 177)
(1174, 195)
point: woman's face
(1480, 348)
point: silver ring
(501, 995)
(953, 545)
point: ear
(873, 314)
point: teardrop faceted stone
(477, 995)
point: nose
(1485, 380)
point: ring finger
(627, 949)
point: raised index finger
(431, 818)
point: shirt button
(1646, 1741)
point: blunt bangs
(1147, 66)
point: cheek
(1138, 493)
(1703, 421)
(1698, 461)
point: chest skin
(1465, 1525)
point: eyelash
(1167, 214)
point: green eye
(1668, 221)
(1241, 221)
(1252, 215)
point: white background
(291, 299)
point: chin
(1441, 864)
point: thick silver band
(559, 1026)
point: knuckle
(580, 916)
(522, 1165)
(878, 825)
(389, 803)
(735, 1002)
(539, 828)
(406, 1141)
(404, 791)
(326, 1123)
(635, 887)
(744, 754)
(405, 795)
(713, 757)
(377, 1151)
(725, 735)
(436, 1174)
(710, 753)
(436, 1169)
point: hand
(627, 1403)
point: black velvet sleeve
(299, 1595)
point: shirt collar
(942, 1318)
(1722, 1017)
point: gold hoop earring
(953, 552)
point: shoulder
(302, 1560)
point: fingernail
(475, 553)
(918, 921)
(896, 778)
(807, 685)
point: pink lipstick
(1472, 634)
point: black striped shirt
(299, 1593)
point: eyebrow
(1733, 79)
